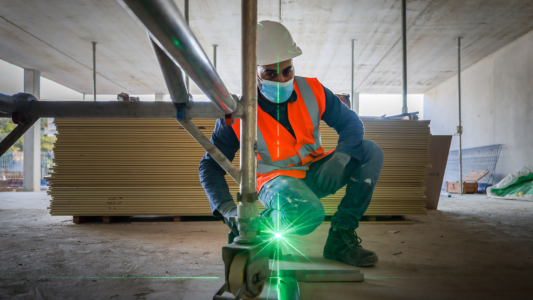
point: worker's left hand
(329, 176)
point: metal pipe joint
(16, 103)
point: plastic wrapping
(517, 185)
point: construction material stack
(127, 167)
(130, 167)
(400, 189)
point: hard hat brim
(282, 57)
(273, 60)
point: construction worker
(294, 172)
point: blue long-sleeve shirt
(336, 115)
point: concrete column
(355, 102)
(159, 96)
(32, 137)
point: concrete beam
(32, 137)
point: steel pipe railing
(7, 104)
(170, 31)
(119, 109)
(15, 103)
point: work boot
(344, 245)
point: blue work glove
(329, 176)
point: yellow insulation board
(126, 167)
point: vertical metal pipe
(460, 127)
(352, 91)
(187, 20)
(247, 207)
(249, 96)
(215, 55)
(280, 11)
(404, 56)
(94, 71)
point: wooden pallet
(139, 220)
(386, 220)
(107, 219)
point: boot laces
(354, 238)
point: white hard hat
(274, 43)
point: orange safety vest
(279, 153)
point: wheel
(237, 278)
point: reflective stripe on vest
(266, 165)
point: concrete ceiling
(54, 36)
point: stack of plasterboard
(126, 167)
(400, 189)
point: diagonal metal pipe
(15, 135)
(217, 155)
(172, 74)
(179, 94)
(170, 31)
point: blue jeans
(294, 204)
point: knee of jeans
(373, 150)
(310, 219)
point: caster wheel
(237, 278)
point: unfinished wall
(497, 99)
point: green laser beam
(442, 277)
(109, 277)
(298, 251)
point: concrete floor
(472, 248)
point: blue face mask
(277, 92)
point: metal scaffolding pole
(280, 11)
(15, 135)
(172, 74)
(248, 193)
(116, 109)
(170, 31)
(180, 96)
(353, 104)
(94, 70)
(460, 127)
(186, 8)
(215, 55)
(404, 56)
